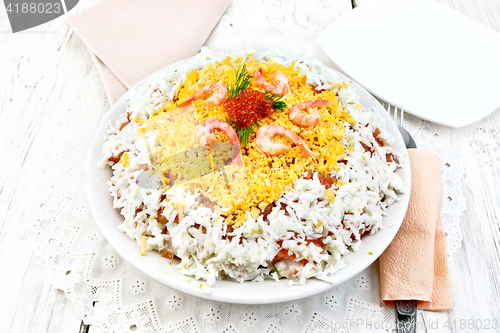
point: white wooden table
(40, 66)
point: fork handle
(407, 316)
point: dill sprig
(242, 82)
(278, 104)
(244, 132)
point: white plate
(158, 268)
(441, 65)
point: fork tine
(387, 106)
(398, 110)
(394, 112)
(402, 114)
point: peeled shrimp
(204, 136)
(187, 108)
(290, 268)
(217, 90)
(267, 132)
(282, 82)
(302, 119)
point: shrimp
(204, 136)
(302, 119)
(290, 268)
(266, 132)
(217, 90)
(282, 82)
(187, 108)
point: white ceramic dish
(159, 269)
(441, 65)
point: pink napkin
(130, 39)
(415, 265)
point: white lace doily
(108, 292)
(437, 138)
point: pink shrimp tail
(302, 119)
(282, 82)
(187, 108)
(217, 89)
(307, 152)
(204, 135)
(238, 160)
(187, 102)
(312, 103)
(303, 147)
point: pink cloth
(415, 265)
(130, 39)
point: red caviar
(248, 106)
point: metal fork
(406, 310)
(407, 138)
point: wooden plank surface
(32, 81)
(475, 268)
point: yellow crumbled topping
(330, 196)
(339, 183)
(255, 212)
(138, 120)
(239, 220)
(180, 210)
(125, 158)
(142, 241)
(243, 191)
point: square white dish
(441, 65)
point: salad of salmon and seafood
(250, 166)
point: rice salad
(250, 166)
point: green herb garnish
(278, 104)
(244, 132)
(242, 82)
